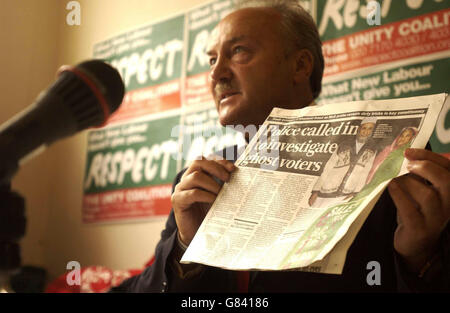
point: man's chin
(227, 120)
(230, 121)
(238, 119)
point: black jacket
(374, 242)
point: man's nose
(220, 70)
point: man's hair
(300, 29)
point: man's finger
(186, 198)
(429, 170)
(227, 164)
(201, 180)
(407, 210)
(220, 169)
(439, 177)
(425, 196)
(422, 154)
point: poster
(395, 49)
(149, 60)
(131, 163)
(130, 169)
(406, 55)
(200, 131)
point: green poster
(130, 168)
(405, 53)
(337, 18)
(131, 163)
(149, 58)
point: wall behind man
(38, 41)
(29, 33)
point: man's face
(365, 132)
(250, 72)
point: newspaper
(307, 181)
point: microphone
(82, 96)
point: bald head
(247, 20)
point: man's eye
(212, 61)
(238, 49)
(241, 54)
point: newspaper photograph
(307, 181)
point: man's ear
(304, 63)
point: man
(271, 56)
(346, 171)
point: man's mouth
(227, 95)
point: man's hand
(423, 206)
(196, 191)
(313, 198)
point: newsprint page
(307, 181)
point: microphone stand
(12, 227)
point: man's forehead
(244, 23)
(213, 38)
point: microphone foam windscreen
(92, 90)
